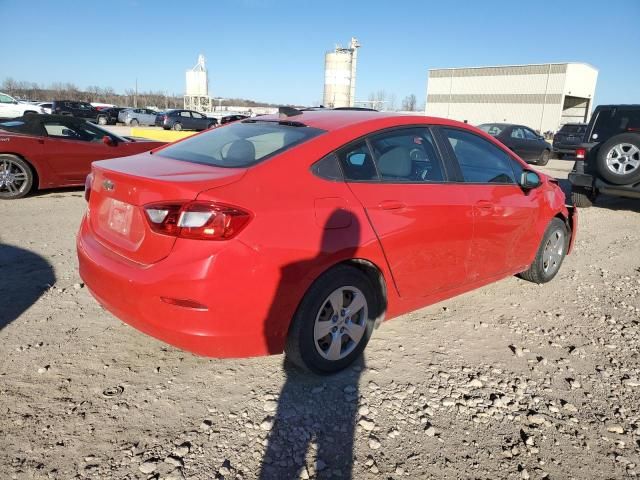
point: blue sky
(274, 50)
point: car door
(536, 145)
(504, 215)
(517, 142)
(149, 117)
(184, 118)
(423, 223)
(199, 121)
(71, 147)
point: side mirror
(530, 180)
(107, 140)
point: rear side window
(614, 121)
(239, 144)
(479, 160)
(357, 162)
(573, 129)
(493, 130)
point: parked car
(302, 231)
(72, 108)
(49, 151)
(568, 138)
(46, 106)
(184, 120)
(609, 160)
(232, 118)
(109, 116)
(137, 116)
(10, 107)
(527, 144)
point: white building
(542, 97)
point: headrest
(241, 152)
(395, 163)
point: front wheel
(544, 158)
(550, 255)
(333, 323)
(16, 177)
(134, 122)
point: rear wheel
(333, 323)
(102, 120)
(16, 177)
(550, 255)
(582, 197)
(544, 158)
(134, 122)
(177, 126)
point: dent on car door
(423, 223)
(504, 215)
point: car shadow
(311, 432)
(58, 192)
(24, 277)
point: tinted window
(239, 144)
(185, 114)
(491, 129)
(614, 121)
(573, 129)
(5, 99)
(479, 160)
(517, 133)
(529, 134)
(328, 168)
(357, 162)
(83, 132)
(407, 155)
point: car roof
(330, 120)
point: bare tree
(409, 103)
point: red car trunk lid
(121, 187)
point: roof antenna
(285, 112)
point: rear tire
(326, 336)
(177, 126)
(618, 159)
(550, 255)
(102, 120)
(582, 198)
(134, 123)
(544, 158)
(16, 177)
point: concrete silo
(340, 76)
(197, 91)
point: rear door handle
(391, 205)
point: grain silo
(340, 76)
(197, 92)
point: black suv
(609, 159)
(75, 109)
(568, 138)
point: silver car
(137, 116)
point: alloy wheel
(13, 177)
(341, 323)
(553, 251)
(623, 158)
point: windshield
(579, 129)
(239, 144)
(492, 129)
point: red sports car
(50, 151)
(302, 231)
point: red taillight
(87, 186)
(581, 153)
(197, 220)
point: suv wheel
(333, 323)
(582, 197)
(618, 159)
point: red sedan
(302, 231)
(50, 151)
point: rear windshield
(491, 129)
(579, 129)
(239, 144)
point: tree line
(32, 91)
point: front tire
(16, 177)
(102, 120)
(550, 255)
(333, 323)
(134, 123)
(544, 158)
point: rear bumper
(570, 149)
(237, 304)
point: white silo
(197, 80)
(340, 76)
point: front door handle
(391, 205)
(485, 206)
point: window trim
(451, 153)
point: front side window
(357, 162)
(530, 135)
(407, 155)
(5, 99)
(480, 161)
(517, 133)
(239, 144)
(84, 133)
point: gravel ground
(513, 380)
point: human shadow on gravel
(24, 277)
(314, 424)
